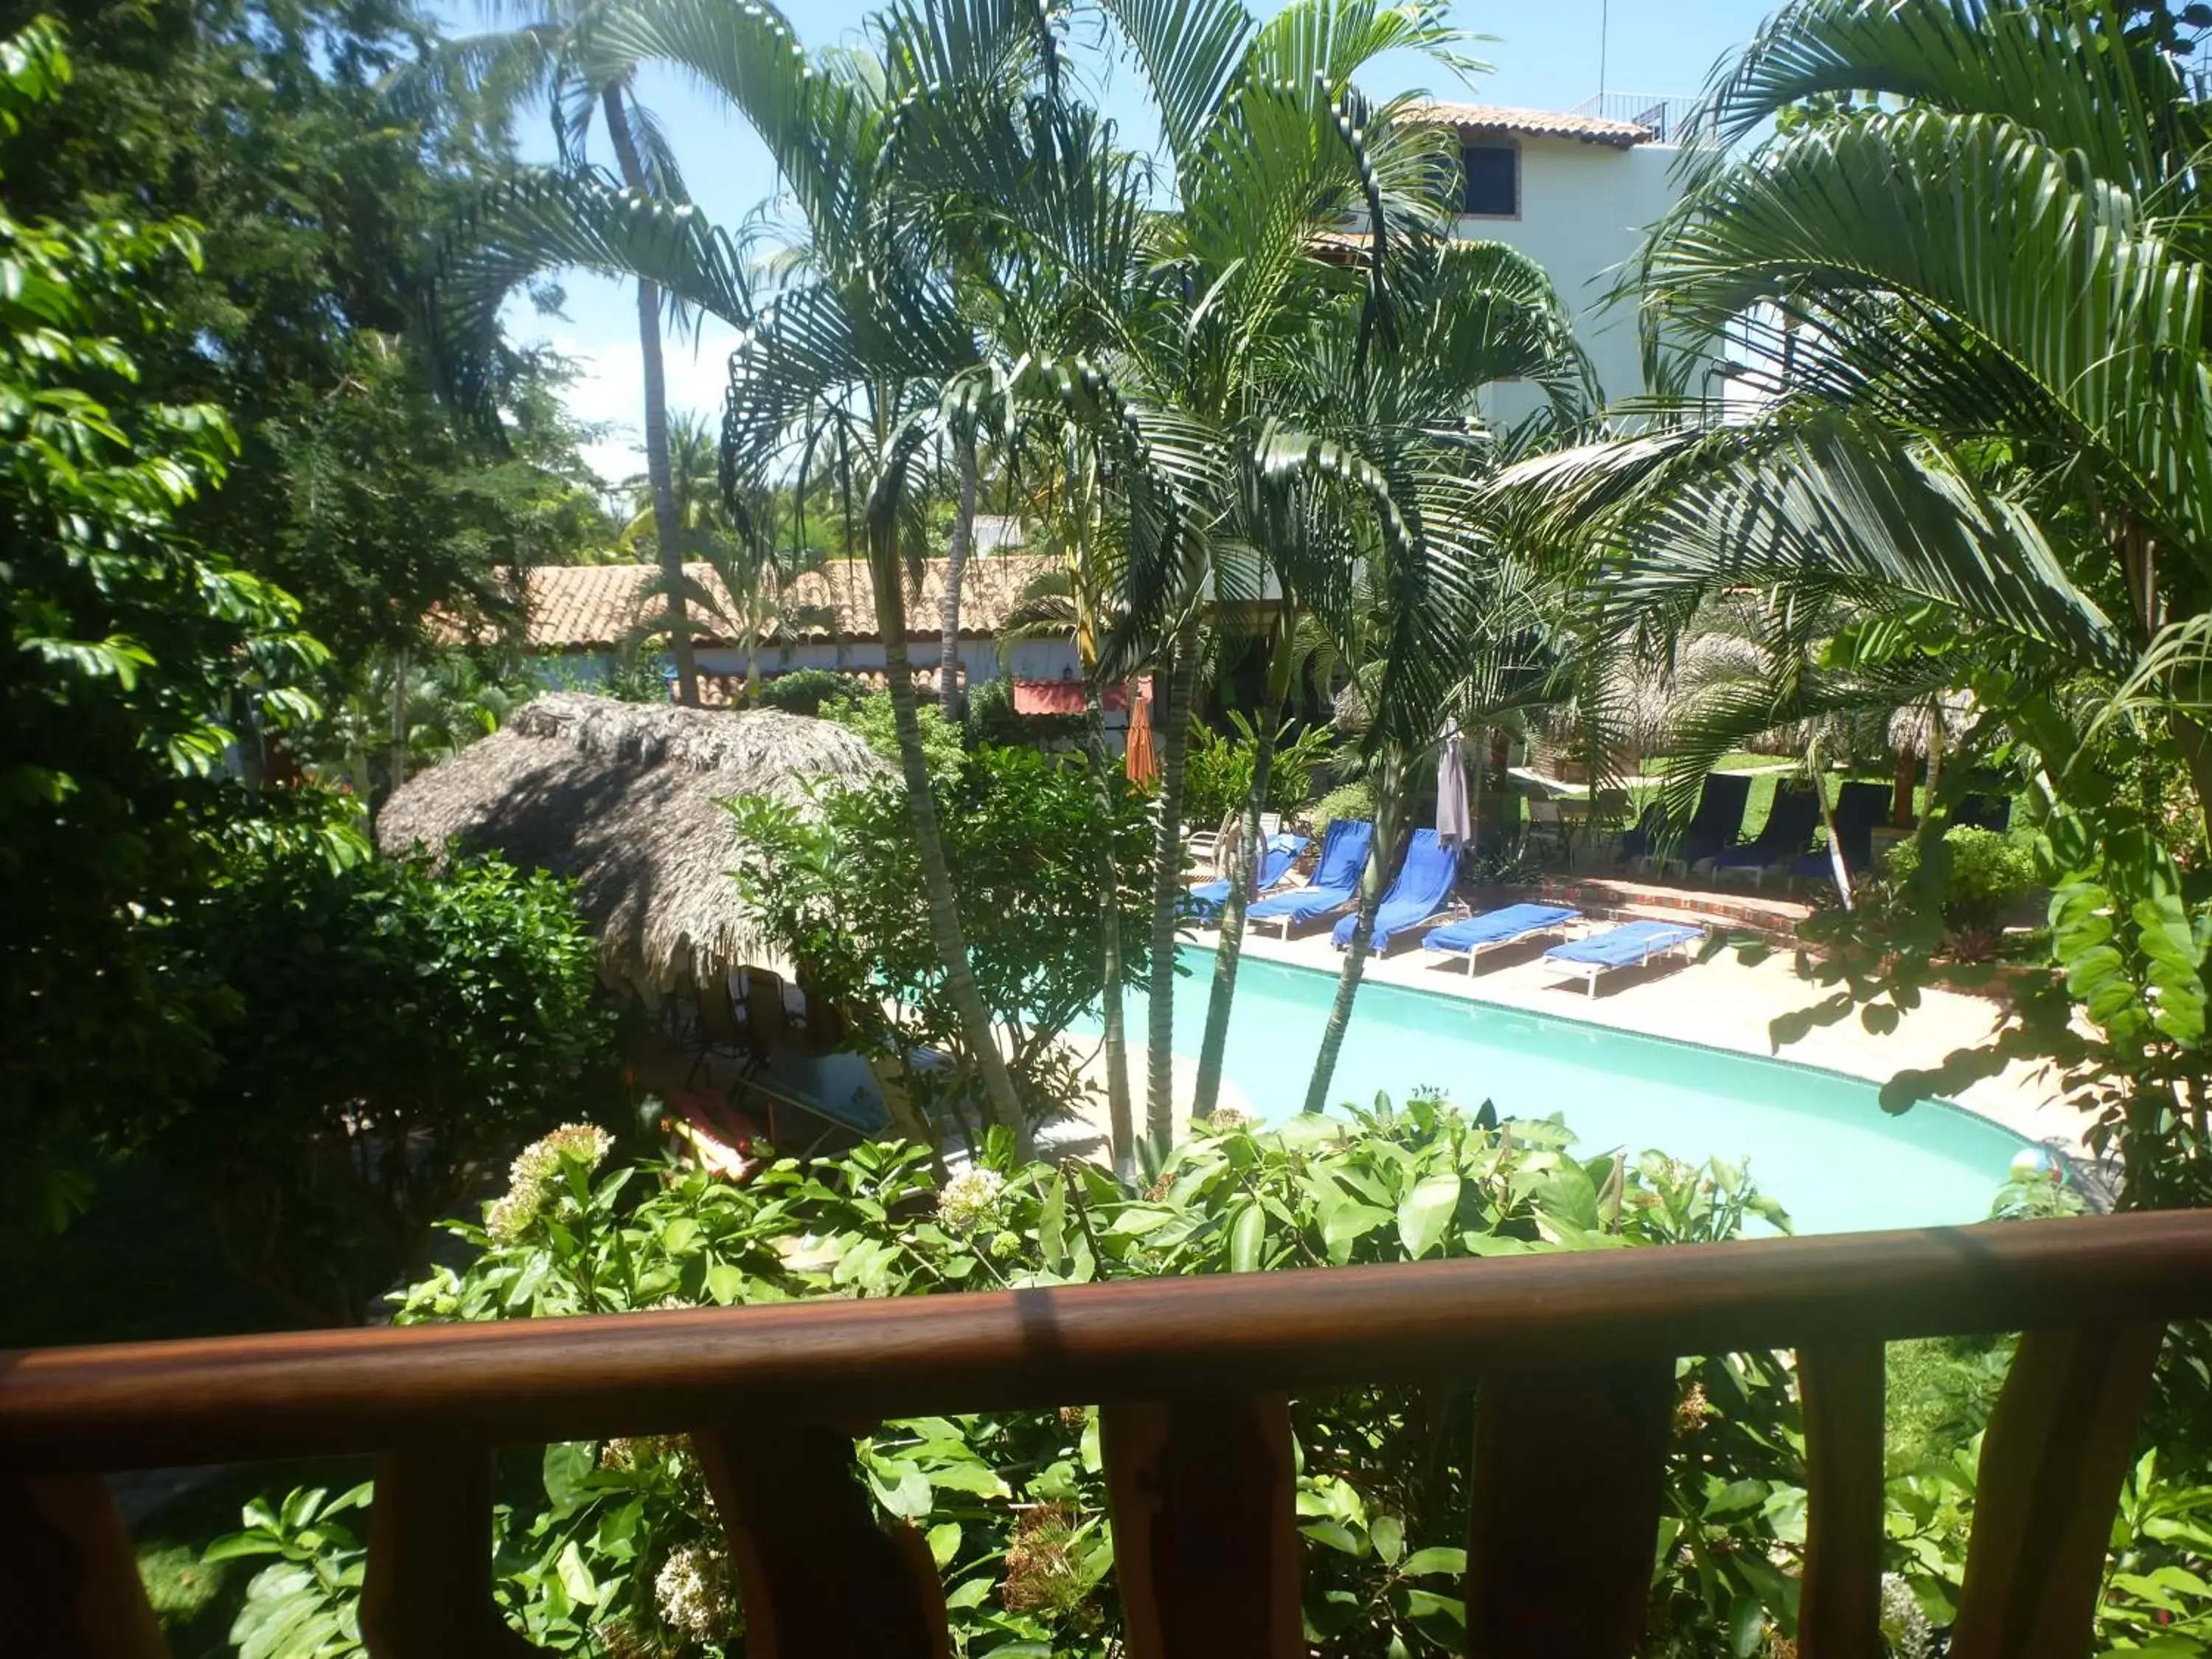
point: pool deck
(1724, 1003)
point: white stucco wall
(1584, 208)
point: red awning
(1066, 696)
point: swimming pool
(1816, 1140)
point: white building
(1576, 192)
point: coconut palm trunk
(975, 1025)
(1167, 893)
(1389, 791)
(1228, 953)
(956, 564)
(1121, 1133)
(665, 528)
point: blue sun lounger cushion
(1282, 850)
(1335, 882)
(1628, 945)
(1423, 883)
(1476, 934)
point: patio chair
(1629, 945)
(1207, 900)
(1787, 832)
(1715, 823)
(1546, 825)
(1335, 882)
(1643, 842)
(1477, 934)
(1977, 811)
(1422, 888)
(1859, 807)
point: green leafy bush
(871, 716)
(1028, 838)
(1347, 800)
(1217, 776)
(1984, 874)
(805, 690)
(388, 1037)
(1011, 1505)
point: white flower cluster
(535, 1176)
(693, 1589)
(1905, 1628)
(969, 1201)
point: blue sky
(1542, 55)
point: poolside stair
(1571, 1357)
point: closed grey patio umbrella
(1455, 828)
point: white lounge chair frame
(1563, 925)
(1590, 970)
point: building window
(1492, 170)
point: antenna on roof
(1604, 22)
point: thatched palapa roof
(622, 797)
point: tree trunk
(1389, 791)
(975, 1026)
(1228, 953)
(399, 756)
(1836, 861)
(956, 563)
(1167, 895)
(665, 528)
(1905, 775)
(1121, 1120)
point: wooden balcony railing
(1573, 1355)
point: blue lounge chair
(1423, 883)
(1335, 882)
(1859, 807)
(1716, 822)
(1476, 934)
(1629, 945)
(1282, 850)
(1787, 833)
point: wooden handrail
(532, 1381)
(1574, 1406)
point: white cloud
(599, 335)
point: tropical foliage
(617, 1546)
(841, 895)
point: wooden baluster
(819, 1577)
(1204, 1497)
(1840, 1614)
(427, 1594)
(2058, 1446)
(69, 1578)
(1568, 1474)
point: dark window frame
(1508, 147)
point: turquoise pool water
(1817, 1141)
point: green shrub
(1011, 1503)
(1347, 800)
(389, 1036)
(870, 715)
(1028, 839)
(1218, 770)
(1984, 875)
(804, 690)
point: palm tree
(512, 67)
(1964, 280)
(1269, 143)
(752, 597)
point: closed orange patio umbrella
(1139, 762)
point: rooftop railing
(1660, 114)
(1572, 1356)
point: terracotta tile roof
(1534, 123)
(577, 607)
